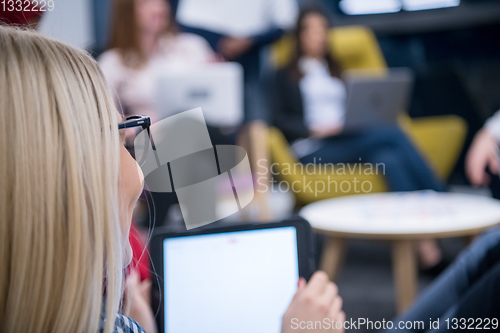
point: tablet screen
(230, 282)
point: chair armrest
(439, 138)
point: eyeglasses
(133, 134)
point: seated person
(466, 292)
(239, 30)
(310, 103)
(482, 164)
(144, 41)
(67, 194)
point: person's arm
(267, 37)
(136, 301)
(483, 153)
(286, 107)
(233, 47)
(282, 14)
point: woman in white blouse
(144, 42)
(309, 109)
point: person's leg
(339, 149)
(420, 173)
(255, 105)
(373, 147)
(366, 148)
(388, 161)
(409, 172)
(477, 309)
(402, 165)
(450, 288)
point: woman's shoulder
(109, 57)
(189, 38)
(191, 47)
(195, 43)
(127, 325)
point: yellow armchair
(439, 139)
(317, 182)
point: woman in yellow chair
(310, 104)
(309, 108)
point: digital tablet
(239, 278)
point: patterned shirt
(124, 324)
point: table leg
(332, 257)
(471, 239)
(405, 273)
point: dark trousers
(403, 167)
(468, 289)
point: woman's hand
(316, 301)
(136, 301)
(232, 47)
(322, 133)
(482, 154)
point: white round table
(400, 217)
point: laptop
(225, 279)
(375, 99)
(217, 88)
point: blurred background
(451, 46)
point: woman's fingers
(315, 301)
(483, 152)
(145, 288)
(330, 294)
(336, 307)
(340, 319)
(318, 283)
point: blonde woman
(67, 192)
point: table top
(399, 215)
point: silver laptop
(216, 88)
(376, 99)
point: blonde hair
(61, 247)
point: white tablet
(238, 278)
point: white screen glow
(366, 7)
(413, 5)
(230, 282)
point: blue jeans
(468, 289)
(403, 167)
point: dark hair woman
(310, 104)
(309, 109)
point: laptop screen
(230, 282)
